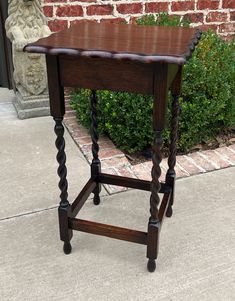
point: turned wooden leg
(170, 176)
(95, 165)
(64, 209)
(154, 224)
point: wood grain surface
(121, 41)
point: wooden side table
(141, 59)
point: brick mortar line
(231, 150)
(181, 167)
(224, 158)
(207, 159)
(194, 163)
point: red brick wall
(216, 14)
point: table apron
(109, 74)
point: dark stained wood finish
(130, 58)
(97, 73)
(163, 207)
(120, 41)
(161, 79)
(95, 165)
(154, 229)
(82, 197)
(64, 210)
(160, 93)
(108, 230)
(129, 182)
(56, 90)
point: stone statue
(25, 24)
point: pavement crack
(27, 213)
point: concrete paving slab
(7, 111)
(6, 95)
(29, 180)
(196, 259)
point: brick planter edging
(115, 162)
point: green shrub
(208, 91)
(207, 101)
(163, 19)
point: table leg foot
(151, 266)
(96, 199)
(67, 248)
(169, 211)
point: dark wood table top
(121, 41)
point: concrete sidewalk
(197, 245)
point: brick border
(115, 162)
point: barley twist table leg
(154, 224)
(64, 209)
(170, 176)
(95, 165)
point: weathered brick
(115, 161)
(106, 144)
(80, 133)
(109, 153)
(180, 173)
(48, 11)
(83, 140)
(133, 8)
(99, 10)
(125, 171)
(69, 11)
(202, 161)
(216, 17)
(216, 158)
(194, 17)
(232, 147)
(74, 126)
(207, 4)
(153, 7)
(113, 21)
(226, 153)
(70, 113)
(227, 27)
(141, 172)
(57, 25)
(228, 4)
(188, 165)
(182, 6)
(74, 22)
(71, 120)
(232, 16)
(205, 27)
(104, 153)
(111, 188)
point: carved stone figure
(25, 24)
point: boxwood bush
(207, 100)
